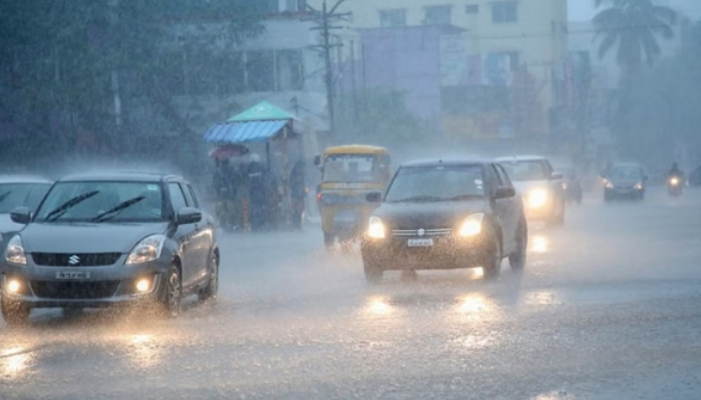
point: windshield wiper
(5, 195)
(113, 212)
(418, 199)
(57, 213)
(463, 197)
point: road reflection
(539, 244)
(144, 350)
(14, 362)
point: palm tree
(636, 26)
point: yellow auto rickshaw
(349, 174)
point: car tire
(491, 266)
(517, 259)
(14, 312)
(210, 292)
(373, 273)
(172, 293)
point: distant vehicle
(17, 191)
(98, 240)
(675, 185)
(446, 214)
(541, 187)
(571, 184)
(624, 180)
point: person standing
(256, 192)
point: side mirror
(556, 176)
(374, 197)
(188, 215)
(317, 161)
(504, 193)
(21, 215)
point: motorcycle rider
(675, 172)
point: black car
(17, 191)
(624, 180)
(103, 239)
(571, 184)
(446, 214)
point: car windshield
(626, 173)
(13, 195)
(436, 183)
(102, 201)
(351, 168)
(526, 170)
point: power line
(325, 18)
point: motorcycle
(674, 186)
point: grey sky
(583, 10)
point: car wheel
(210, 292)
(373, 273)
(517, 259)
(492, 263)
(172, 297)
(14, 312)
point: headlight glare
(15, 251)
(609, 185)
(148, 249)
(376, 229)
(472, 226)
(638, 186)
(537, 198)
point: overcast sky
(583, 10)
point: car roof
(116, 176)
(445, 161)
(24, 179)
(520, 158)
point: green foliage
(58, 59)
(635, 26)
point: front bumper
(106, 285)
(447, 252)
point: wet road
(608, 308)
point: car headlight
(674, 181)
(639, 186)
(15, 251)
(472, 226)
(376, 229)
(609, 185)
(537, 198)
(148, 249)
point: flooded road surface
(609, 307)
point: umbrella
(228, 151)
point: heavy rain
(350, 199)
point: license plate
(420, 242)
(71, 275)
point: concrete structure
(502, 37)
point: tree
(70, 66)
(635, 26)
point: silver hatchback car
(107, 239)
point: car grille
(417, 233)
(75, 290)
(75, 260)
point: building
(511, 47)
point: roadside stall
(257, 153)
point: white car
(539, 184)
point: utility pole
(324, 18)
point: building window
(472, 9)
(392, 18)
(290, 71)
(438, 15)
(260, 69)
(504, 12)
